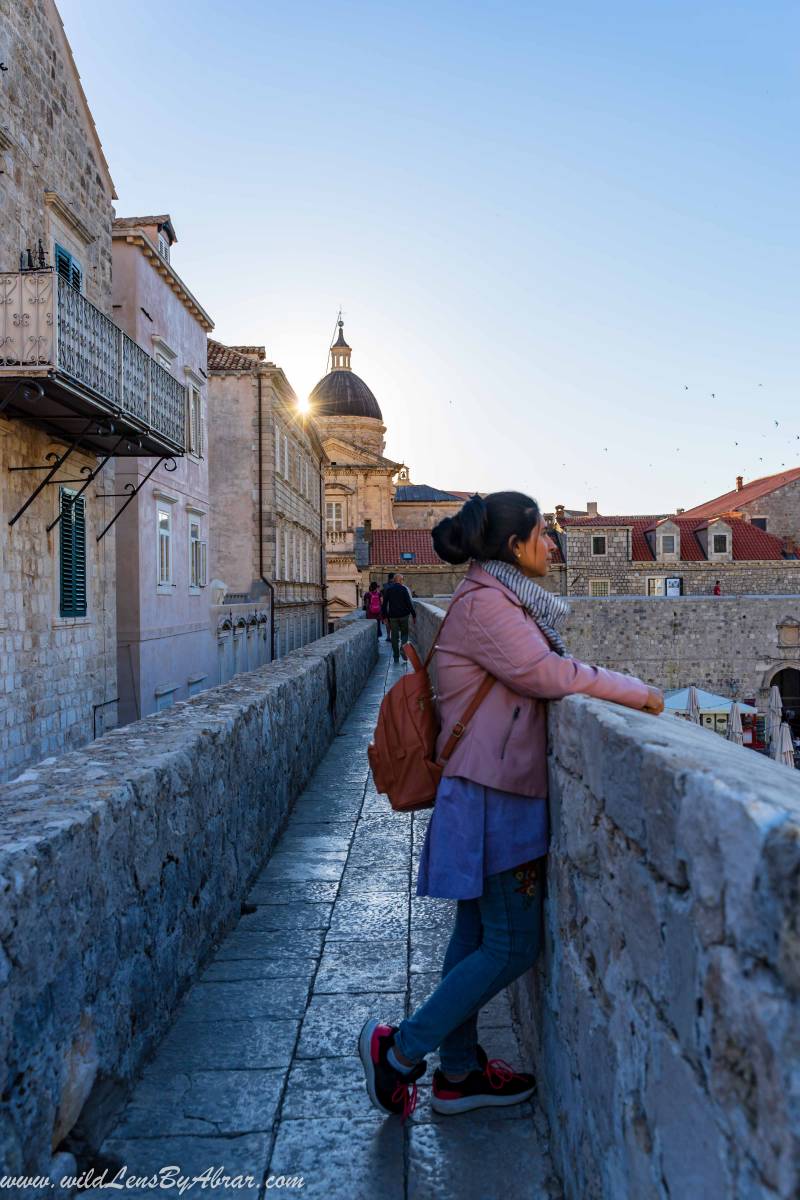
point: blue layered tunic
(476, 831)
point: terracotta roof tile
(750, 544)
(388, 545)
(751, 491)
(225, 358)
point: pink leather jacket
(505, 744)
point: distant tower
(340, 351)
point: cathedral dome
(342, 393)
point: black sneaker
(495, 1085)
(389, 1090)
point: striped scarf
(548, 610)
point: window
(72, 564)
(198, 555)
(599, 544)
(333, 517)
(165, 696)
(655, 586)
(163, 247)
(163, 360)
(277, 448)
(195, 421)
(164, 523)
(599, 587)
(306, 488)
(760, 522)
(195, 684)
(286, 554)
(286, 456)
(720, 543)
(668, 543)
(308, 559)
(68, 267)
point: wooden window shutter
(72, 535)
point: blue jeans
(496, 938)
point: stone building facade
(57, 618)
(680, 555)
(266, 479)
(166, 647)
(771, 503)
(418, 506)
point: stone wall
(726, 644)
(121, 866)
(58, 675)
(781, 508)
(48, 141)
(663, 1014)
(732, 645)
(627, 578)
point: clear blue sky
(544, 221)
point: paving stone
(293, 868)
(332, 1023)
(276, 892)
(245, 999)
(369, 916)
(194, 1155)
(225, 1045)
(430, 913)
(479, 1159)
(351, 1160)
(357, 881)
(319, 1088)
(320, 810)
(204, 1102)
(230, 970)
(283, 944)
(428, 949)
(363, 966)
(286, 916)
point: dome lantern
(340, 351)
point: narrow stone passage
(259, 1073)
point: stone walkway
(259, 1074)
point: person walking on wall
(487, 841)
(717, 589)
(373, 606)
(398, 607)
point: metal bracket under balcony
(65, 365)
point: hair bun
(459, 538)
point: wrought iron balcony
(63, 363)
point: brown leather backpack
(402, 755)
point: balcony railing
(339, 541)
(46, 324)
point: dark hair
(484, 526)
(373, 585)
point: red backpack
(373, 604)
(402, 755)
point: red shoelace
(401, 1092)
(498, 1072)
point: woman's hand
(655, 701)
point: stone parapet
(123, 863)
(663, 1014)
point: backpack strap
(459, 727)
(479, 697)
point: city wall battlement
(122, 864)
(663, 1014)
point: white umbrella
(774, 718)
(693, 706)
(735, 733)
(783, 749)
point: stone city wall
(121, 866)
(726, 644)
(663, 1013)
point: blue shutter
(72, 534)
